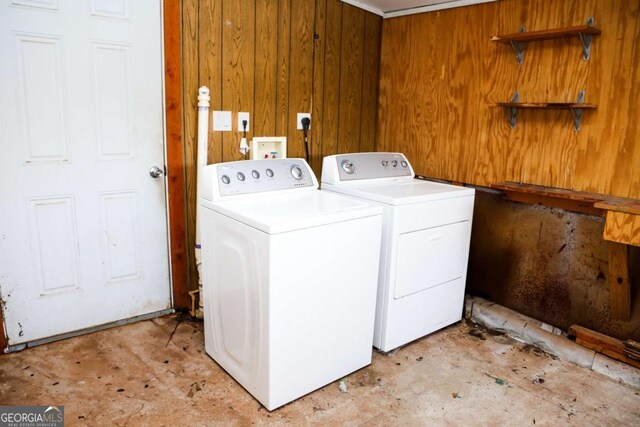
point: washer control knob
(240, 176)
(347, 166)
(385, 163)
(394, 163)
(255, 174)
(404, 163)
(225, 179)
(296, 172)
(269, 173)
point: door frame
(174, 149)
(174, 152)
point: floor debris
(382, 393)
(342, 387)
(477, 334)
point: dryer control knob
(296, 172)
(394, 163)
(347, 166)
(404, 163)
(240, 176)
(385, 163)
(225, 179)
(255, 174)
(269, 173)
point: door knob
(155, 172)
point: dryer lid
(289, 212)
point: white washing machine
(425, 242)
(289, 277)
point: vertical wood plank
(610, 87)
(301, 61)
(190, 112)
(317, 96)
(619, 288)
(333, 28)
(238, 38)
(370, 76)
(265, 75)
(282, 78)
(626, 169)
(175, 160)
(350, 79)
(210, 66)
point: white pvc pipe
(201, 162)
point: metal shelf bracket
(512, 112)
(577, 113)
(518, 47)
(585, 40)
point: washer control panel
(372, 165)
(255, 176)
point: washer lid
(402, 192)
(290, 212)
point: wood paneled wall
(274, 59)
(440, 73)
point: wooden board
(622, 227)
(576, 201)
(175, 157)
(631, 206)
(190, 84)
(601, 343)
(370, 78)
(435, 94)
(619, 286)
(545, 105)
(317, 97)
(266, 70)
(333, 41)
(351, 58)
(300, 68)
(553, 33)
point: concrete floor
(156, 373)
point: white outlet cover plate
(243, 116)
(222, 121)
(300, 117)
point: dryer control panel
(256, 176)
(359, 166)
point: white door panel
(83, 237)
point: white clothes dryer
(425, 242)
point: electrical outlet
(302, 116)
(243, 116)
(222, 121)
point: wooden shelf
(577, 108)
(631, 206)
(545, 105)
(600, 203)
(556, 33)
(575, 201)
(520, 39)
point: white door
(83, 231)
